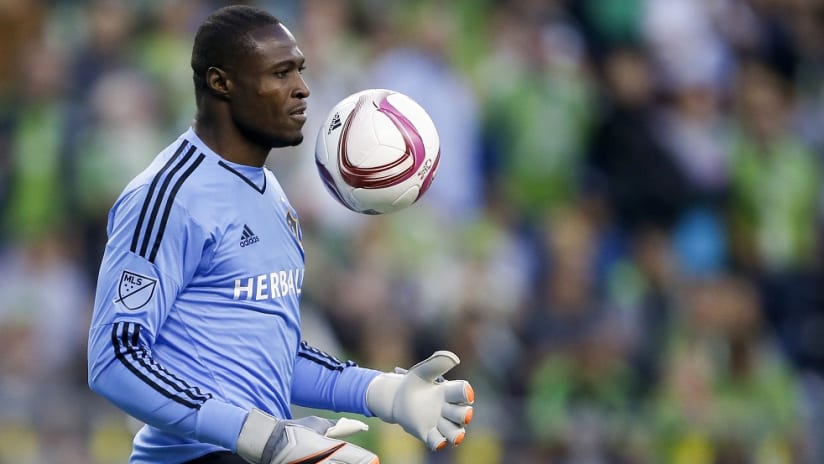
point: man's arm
(123, 370)
(136, 288)
(133, 380)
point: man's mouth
(299, 112)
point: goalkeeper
(196, 324)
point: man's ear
(218, 82)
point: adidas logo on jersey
(334, 124)
(249, 237)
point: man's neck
(226, 141)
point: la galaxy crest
(294, 226)
(135, 290)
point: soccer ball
(377, 151)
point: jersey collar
(253, 176)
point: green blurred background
(623, 244)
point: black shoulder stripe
(161, 197)
(169, 202)
(165, 196)
(149, 194)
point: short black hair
(223, 35)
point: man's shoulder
(181, 163)
(181, 174)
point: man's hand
(266, 440)
(421, 401)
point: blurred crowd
(623, 243)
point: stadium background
(623, 243)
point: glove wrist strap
(254, 435)
(380, 395)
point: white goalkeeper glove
(421, 401)
(264, 439)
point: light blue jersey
(196, 317)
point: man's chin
(276, 141)
(293, 142)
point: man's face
(268, 96)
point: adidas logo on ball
(334, 124)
